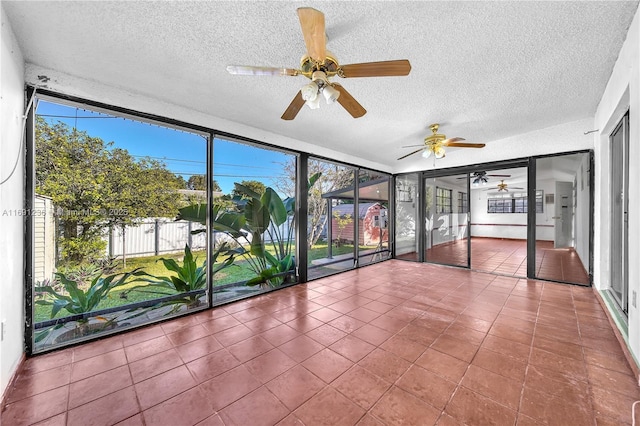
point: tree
(199, 183)
(94, 186)
(332, 177)
(254, 185)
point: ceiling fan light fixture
(439, 152)
(310, 91)
(426, 153)
(330, 94)
(314, 103)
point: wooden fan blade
(349, 103)
(249, 70)
(294, 107)
(412, 146)
(376, 69)
(446, 142)
(411, 153)
(465, 145)
(313, 31)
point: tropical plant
(80, 301)
(76, 300)
(258, 226)
(187, 279)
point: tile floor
(392, 343)
(509, 257)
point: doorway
(619, 213)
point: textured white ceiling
(485, 70)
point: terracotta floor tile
(270, 365)
(260, 407)
(233, 335)
(295, 386)
(163, 386)
(198, 348)
(542, 406)
(147, 348)
(427, 386)
(300, 348)
(280, 334)
(500, 364)
(212, 365)
(36, 408)
(550, 360)
(188, 334)
(28, 385)
(40, 363)
(326, 334)
(501, 389)
(187, 408)
(456, 348)
(385, 365)
(404, 347)
(97, 386)
(474, 409)
(485, 349)
(327, 365)
(305, 323)
(398, 407)
(361, 386)
(109, 409)
(371, 334)
(154, 365)
(250, 348)
(59, 420)
(97, 364)
(443, 365)
(329, 408)
(228, 387)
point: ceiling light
(330, 94)
(309, 91)
(439, 152)
(314, 103)
(426, 153)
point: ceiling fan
(435, 143)
(481, 178)
(319, 65)
(503, 187)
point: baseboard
(14, 377)
(631, 360)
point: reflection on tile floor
(509, 257)
(392, 343)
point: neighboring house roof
(344, 209)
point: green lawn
(238, 272)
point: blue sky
(183, 153)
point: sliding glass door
(447, 220)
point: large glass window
(253, 218)
(332, 218)
(373, 217)
(443, 200)
(406, 217)
(108, 253)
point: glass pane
(107, 244)
(332, 213)
(253, 219)
(562, 228)
(447, 220)
(499, 221)
(407, 217)
(373, 217)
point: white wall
(581, 230)
(11, 200)
(621, 94)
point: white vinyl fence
(155, 236)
